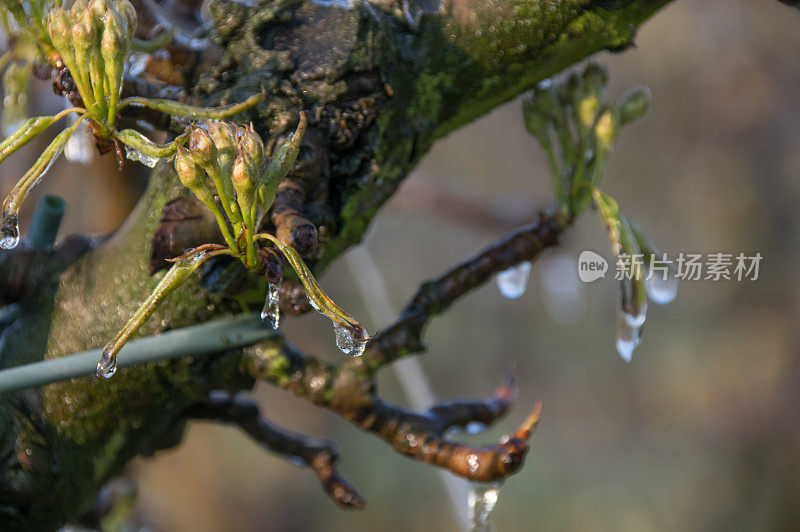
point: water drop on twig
(345, 341)
(628, 335)
(662, 288)
(107, 366)
(9, 231)
(135, 155)
(481, 500)
(80, 146)
(272, 310)
(513, 281)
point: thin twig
(318, 455)
(434, 297)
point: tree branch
(351, 393)
(318, 455)
(433, 297)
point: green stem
(197, 340)
(200, 113)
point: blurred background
(700, 431)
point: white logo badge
(591, 266)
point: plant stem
(197, 340)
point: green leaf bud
(634, 104)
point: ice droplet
(481, 500)
(513, 281)
(79, 147)
(272, 310)
(474, 427)
(636, 320)
(628, 335)
(136, 63)
(345, 341)
(662, 289)
(107, 366)
(135, 155)
(9, 231)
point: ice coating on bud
(635, 104)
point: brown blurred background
(701, 431)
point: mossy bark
(380, 85)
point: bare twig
(434, 297)
(350, 392)
(316, 454)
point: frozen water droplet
(272, 310)
(135, 155)
(80, 146)
(636, 320)
(136, 63)
(513, 281)
(481, 500)
(474, 427)
(662, 288)
(314, 305)
(628, 336)
(9, 231)
(347, 343)
(344, 340)
(107, 366)
(295, 460)
(358, 348)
